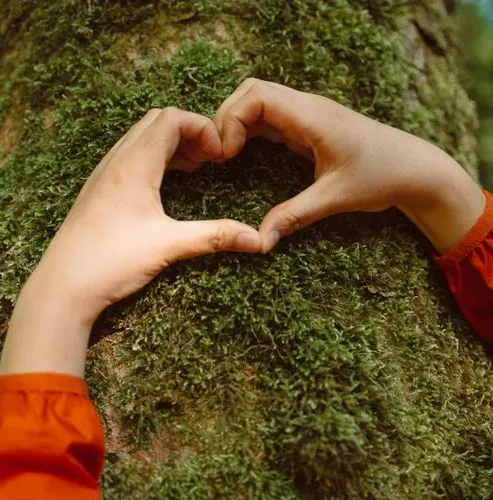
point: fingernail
(248, 242)
(271, 240)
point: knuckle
(154, 111)
(251, 81)
(289, 221)
(257, 86)
(170, 112)
(219, 240)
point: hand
(115, 239)
(360, 164)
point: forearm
(46, 332)
(454, 212)
(438, 196)
(51, 438)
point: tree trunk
(336, 367)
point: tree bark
(338, 366)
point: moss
(338, 365)
(476, 35)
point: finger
(274, 135)
(263, 103)
(314, 203)
(229, 102)
(240, 91)
(267, 132)
(138, 129)
(195, 238)
(181, 163)
(195, 136)
(131, 135)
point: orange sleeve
(469, 271)
(51, 438)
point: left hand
(115, 239)
(360, 164)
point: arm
(115, 239)
(363, 165)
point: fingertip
(269, 240)
(233, 140)
(249, 242)
(211, 141)
(218, 123)
(202, 144)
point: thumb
(195, 238)
(312, 204)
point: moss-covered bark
(338, 366)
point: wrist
(47, 332)
(65, 285)
(51, 301)
(447, 204)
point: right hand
(360, 164)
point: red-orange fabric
(469, 271)
(51, 438)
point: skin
(117, 238)
(360, 164)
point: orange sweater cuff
(46, 382)
(472, 238)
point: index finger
(256, 102)
(158, 143)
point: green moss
(477, 38)
(337, 366)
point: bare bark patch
(107, 348)
(161, 449)
(116, 436)
(9, 132)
